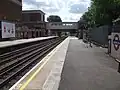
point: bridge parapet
(62, 25)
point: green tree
(106, 11)
(102, 12)
(54, 18)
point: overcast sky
(68, 10)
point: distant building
(33, 19)
(10, 10)
(33, 15)
(33, 24)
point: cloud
(78, 8)
(34, 3)
(74, 17)
(51, 9)
(28, 7)
(65, 18)
(47, 6)
(85, 0)
(68, 10)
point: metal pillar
(119, 68)
(109, 46)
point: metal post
(109, 46)
(119, 68)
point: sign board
(115, 45)
(8, 29)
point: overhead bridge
(62, 25)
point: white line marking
(53, 51)
(53, 79)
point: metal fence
(100, 35)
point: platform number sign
(8, 29)
(116, 42)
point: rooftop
(19, 2)
(33, 11)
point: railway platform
(72, 66)
(4, 44)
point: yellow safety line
(31, 78)
(39, 69)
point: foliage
(54, 18)
(102, 12)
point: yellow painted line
(44, 61)
(40, 68)
(32, 77)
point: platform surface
(46, 74)
(21, 41)
(88, 69)
(74, 66)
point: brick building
(33, 15)
(10, 10)
(33, 21)
(29, 23)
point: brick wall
(10, 11)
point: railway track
(13, 65)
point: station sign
(8, 29)
(115, 45)
(116, 42)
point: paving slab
(88, 69)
